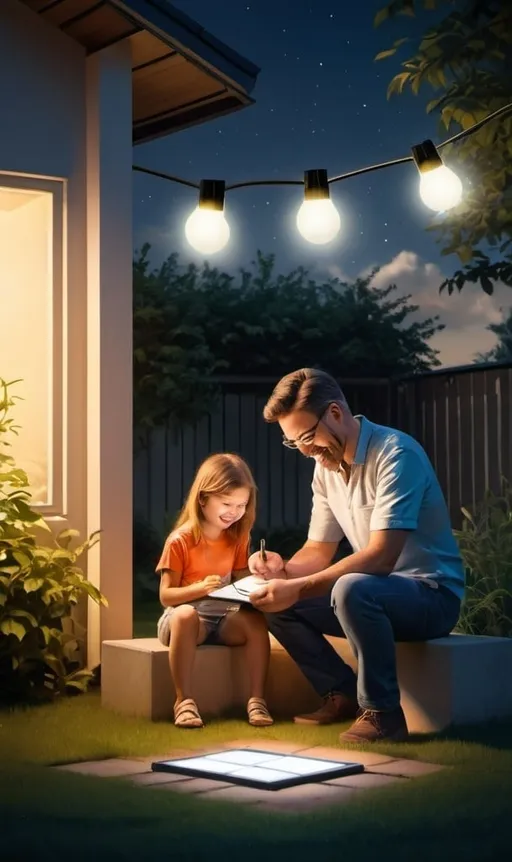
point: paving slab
(147, 779)
(367, 758)
(406, 768)
(306, 797)
(113, 767)
(366, 781)
(194, 786)
(243, 795)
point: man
(404, 580)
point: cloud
(465, 315)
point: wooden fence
(461, 416)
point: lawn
(461, 814)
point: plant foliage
(465, 61)
(40, 584)
(485, 543)
(259, 322)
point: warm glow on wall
(26, 310)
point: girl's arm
(240, 573)
(171, 594)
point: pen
(263, 553)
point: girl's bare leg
(249, 630)
(187, 632)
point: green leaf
(12, 627)
(67, 534)
(398, 83)
(389, 52)
(23, 559)
(19, 613)
(381, 16)
(30, 585)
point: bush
(485, 543)
(40, 584)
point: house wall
(43, 74)
(69, 116)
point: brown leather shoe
(336, 707)
(372, 726)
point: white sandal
(186, 714)
(257, 713)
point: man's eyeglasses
(307, 438)
(304, 439)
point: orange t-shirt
(194, 561)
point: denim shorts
(211, 612)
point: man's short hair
(306, 389)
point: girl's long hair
(219, 474)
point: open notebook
(240, 590)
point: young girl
(208, 546)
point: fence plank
(174, 477)
(276, 507)
(493, 442)
(467, 481)
(463, 420)
(442, 453)
(454, 451)
(479, 436)
(262, 467)
(232, 423)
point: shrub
(485, 543)
(40, 584)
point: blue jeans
(372, 612)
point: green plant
(464, 60)
(40, 584)
(485, 543)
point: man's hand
(276, 595)
(272, 567)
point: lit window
(31, 250)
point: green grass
(460, 814)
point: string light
(318, 220)
(206, 228)
(440, 188)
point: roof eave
(191, 40)
(150, 131)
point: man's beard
(330, 456)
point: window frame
(56, 507)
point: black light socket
(426, 157)
(211, 195)
(316, 186)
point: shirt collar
(363, 441)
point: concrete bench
(459, 679)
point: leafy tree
(261, 323)
(171, 359)
(466, 59)
(502, 352)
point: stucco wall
(43, 81)
(65, 115)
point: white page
(241, 592)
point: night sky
(320, 103)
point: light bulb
(207, 230)
(318, 220)
(440, 189)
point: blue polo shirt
(392, 486)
